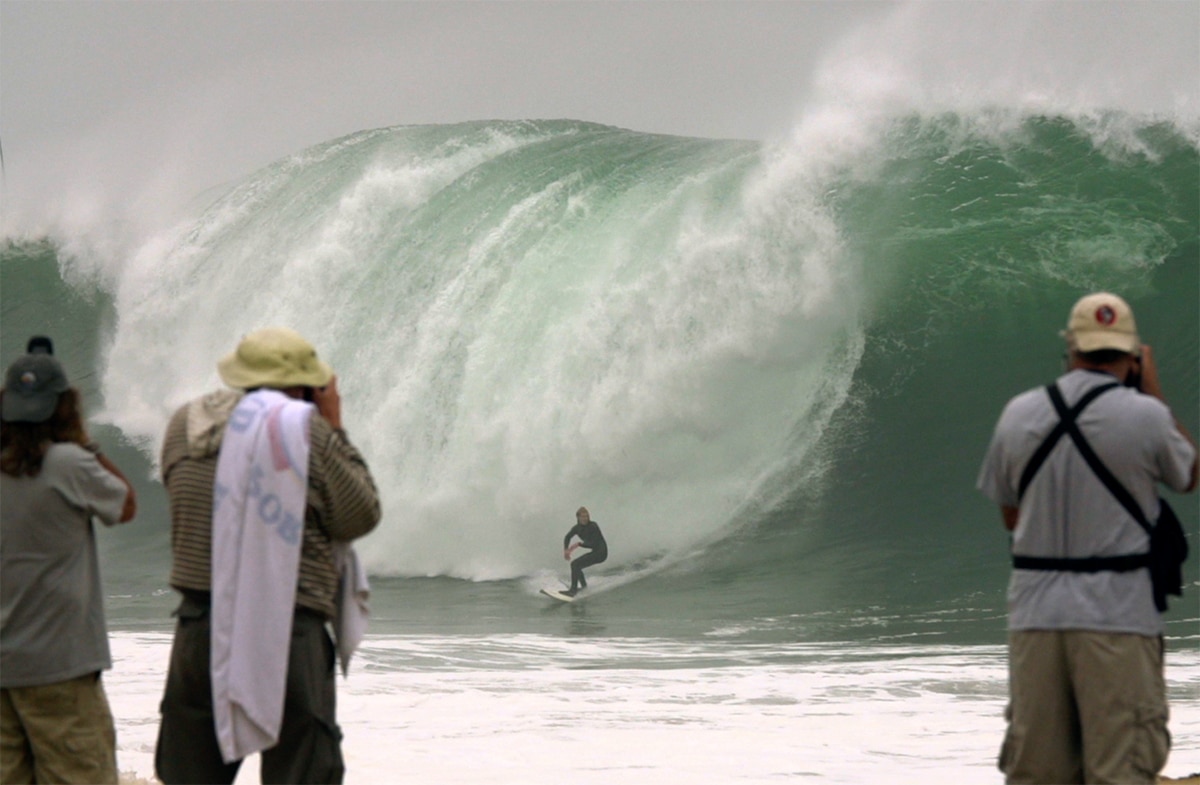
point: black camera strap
(1112, 483)
(1067, 426)
(1067, 421)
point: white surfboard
(557, 595)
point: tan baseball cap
(275, 357)
(1103, 321)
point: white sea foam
(538, 709)
(523, 316)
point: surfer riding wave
(591, 538)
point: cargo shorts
(60, 732)
(1085, 707)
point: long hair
(23, 445)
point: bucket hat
(1103, 321)
(275, 357)
(32, 385)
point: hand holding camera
(329, 402)
(1144, 375)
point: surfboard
(558, 595)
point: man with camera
(1086, 688)
(55, 721)
(267, 493)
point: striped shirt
(343, 505)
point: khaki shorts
(1085, 707)
(59, 732)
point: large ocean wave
(784, 358)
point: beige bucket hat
(275, 357)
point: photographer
(266, 490)
(55, 722)
(1087, 694)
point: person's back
(342, 501)
(1067, 512)
(50, 571)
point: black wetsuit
(589, 537)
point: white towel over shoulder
(354, 611)
(258, 525)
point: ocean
(770, 371)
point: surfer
(590, 537)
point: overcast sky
(167, 97)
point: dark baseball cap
(32, 385)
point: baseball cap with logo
(32, 385)
(1103, 321)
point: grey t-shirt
(51, 606)
(1068, 513)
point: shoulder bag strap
(1067, 420)
(1114, 486)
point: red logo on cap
(1106, 316)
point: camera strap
(1066, 422)
(1111, 482)
(1067, 426)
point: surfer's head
(274, 357)
(582, 515)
